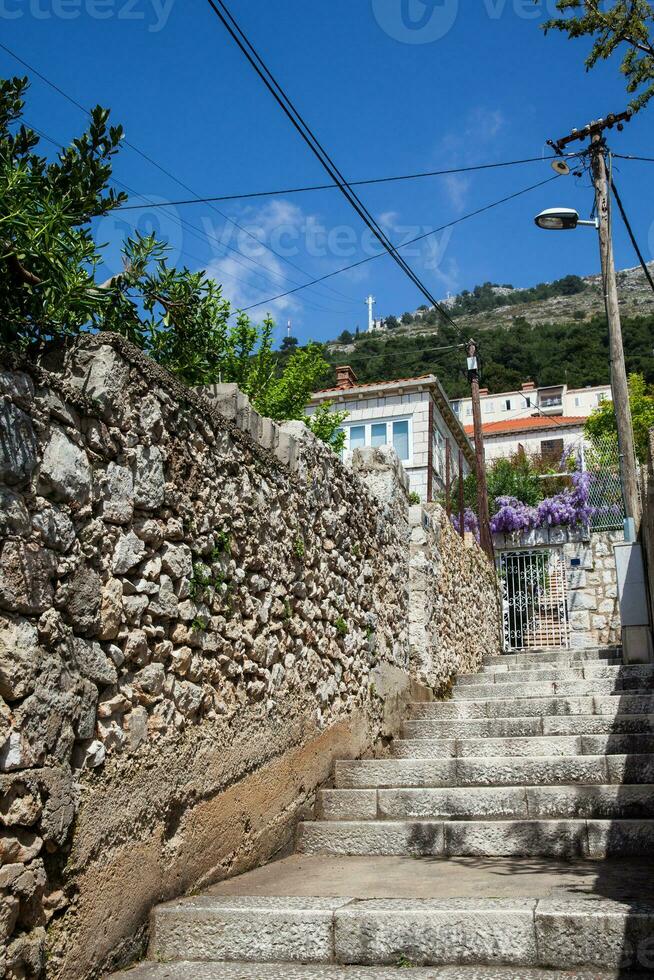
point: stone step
(545, 689)
(546, 745)
(245, 928)
(600, 802)
(599, 704)
(520, 661)
(555, 933)
(293, 971)
(495, 771)
(583, 724)
(618, 671)
(479, 838)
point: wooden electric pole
(620, 390)
(619, 384)
(485, 536)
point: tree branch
(20, 273)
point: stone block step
(494, 771)
(600, 802)
(546, 745)
(558, 688)
(243, 928)
(582, 671)
(596, 839)
(557, 933)
(519, 661)
(583, 724)
(184, 970)
(610, 704)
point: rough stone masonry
(199, 611)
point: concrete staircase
(527, 799)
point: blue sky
(458, 83)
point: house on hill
(411, 414)
(545, 421)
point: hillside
(550, 333)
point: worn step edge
(556, 932)
(185, 970)
(595, 839)
(493, 771)
(523, 747)
(602, 704)
(530, 726)
(597, 802)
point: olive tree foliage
(619, 25)
(50, 287)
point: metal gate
(534, 594)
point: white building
(530, 401)
(411, 414)
(544, 421)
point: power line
(283, 100)
(184, 224)
(412, 241)
(181, 183)
(352, 183)
(630, 232)
(623, 156)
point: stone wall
(449, 629)
(593, 604)
(199, 611)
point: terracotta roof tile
(372, 384)
(524, 425)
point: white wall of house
(400, 419)
(506, 444)
(554, 400)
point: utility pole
(485, 536)
(619, 384)
(598, 157)
(370, 302)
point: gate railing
(534, 599)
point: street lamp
(562, 219)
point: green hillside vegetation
(575, 352)
(486, 297)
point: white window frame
(367, 424)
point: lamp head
(558, 219)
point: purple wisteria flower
(470, 522)
(512, 516)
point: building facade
(411, 414)
(552, 401)
(546, 421)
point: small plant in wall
(199, 624)
(222, 545)
(341, 626)
(414, 498)
(299, 548)
(200, 579)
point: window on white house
(528, 401)
(396, 433)
(507, 405)
(601, 397)
(378, 435)
(357, 436)
(401, 439)
(577, 401)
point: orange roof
(523, 425)
(372, 384)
